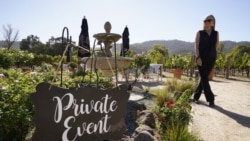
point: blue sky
(146, 19)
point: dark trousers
(204, 70)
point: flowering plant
(171, 113)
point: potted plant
(178, 63)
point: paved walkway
(229, 120)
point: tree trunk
(9, 36)
(248, 71)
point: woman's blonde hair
(211, 16)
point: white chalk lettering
(113, 106)
(80, 107)
(59, 107)
(65, 133)
(89, 128)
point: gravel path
(229, 120)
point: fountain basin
(107, 64)
(107, 37)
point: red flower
(161, 118)
(169, 104)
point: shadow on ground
(219, 81)
(241, 80)
(241, 119)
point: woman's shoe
(211, 104)
(196, 101)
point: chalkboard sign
(86, 114)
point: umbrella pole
(122, 51)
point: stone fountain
(105, 62)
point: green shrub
(175, 85)
(173, 110)
(72, 65)
(162, 96)
(16, 109)
(173, 119)
(185, 97)
(178, 132)
(6, 59)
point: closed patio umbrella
(84, 40)
(125, 42)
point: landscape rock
(144, 127)
(147, 117)
(131, 116)
(138, 89)
(145, 136)
(126, 138)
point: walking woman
(206, 42)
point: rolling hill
(178, 46)
(174, 46)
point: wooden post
(228, 67)
(192, 64)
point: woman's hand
(199, 62)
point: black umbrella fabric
(125, 42)
(84, 40)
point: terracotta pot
(177, 73)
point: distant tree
(179, 61)
(41, 48)
(188, 62)
(168, 62)
(141, 64)
(221, 57)
(239, 58)
(221, 47)
(10, 36)
(158, 54)
(24, 45)
(130, 53)
(55, 45)
(237, 53)
(246, 63)
(51, 40)
(30, 42)
(220, 61)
